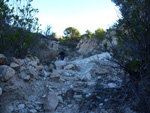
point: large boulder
(6, 72)
(2, 59)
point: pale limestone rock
(21, 106)
(112, 85)
(6, 72)
(39, 67)
(69, 67)
(51, 101)
(24, 76)
(60, 64)
(55, 75)
(14, 66)
(33, 111)
(86, 45)
(18, 61)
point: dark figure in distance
(62, 55)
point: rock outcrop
(87, 46)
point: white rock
(14, 66)
(32, 111)
(101, 104)
(7, 72)
(55, 75)
(0, 91)
(21, 106)
(77, 96)
(60, 98)
(24, 76)
(51, 102)
(70, 66)
(112, 85)
(60, 64)
(39, 67)
(32, 63)
(18, 61)
(32, 71)
(86, 77)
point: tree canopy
(71, 32)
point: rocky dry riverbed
(68, 86)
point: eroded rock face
(6, 72)
(86, 46)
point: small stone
(70, 66)
(60, 98)
(32, 111)
(99, 77)
(0, 91)
(60, 64)
(101, 104)
(105, 100)
(112, 85)
(77, 96)
(27, 78)
(70, 105)
(14, 66)
(91, 83)
(55, 75)
(51, 102)
(18, 61)
(2, 59)
(21, 106)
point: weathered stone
(112, 85)
(18, 61)
(102, 71)
(86, 45)
(32, 71)
(6, 72)
(60, 64)
(39, 67)
(51, 102)
(70, 66)
(2, 59)
(91, 83)
(55, 75)
(24, 76)
(77, 96)
(21, 106)
(14, 66)
(32, 63)
(32, 111)
(86, 77)
(0, 91)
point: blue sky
(81, 14)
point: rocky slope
(68, 86)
